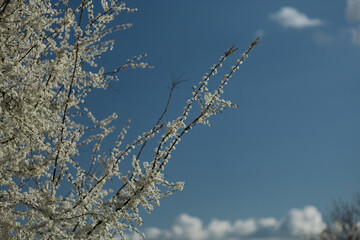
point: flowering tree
(343, 221)
(47, 68)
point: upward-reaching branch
(43, 88)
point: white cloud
(244, 227)
(307, 221)
(290, 17)
(153, 233)
(353, 10)
(219, 229)
(297, 224)
(355, 35)
(187, 227)
(268, 222)
(353, 15)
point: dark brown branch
(3, 6)
(116, 162)
(189, 126)
(69, 94)
(174, 83)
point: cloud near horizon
(297, 224)
(290, 17)
(353, 16)
(353, 10)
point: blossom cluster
(47, 50)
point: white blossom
(45, 46)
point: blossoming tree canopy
(48, 65)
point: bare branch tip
(255, 42)
(176, 81)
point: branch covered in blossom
(49, 189)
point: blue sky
(269, 168)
